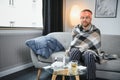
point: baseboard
(15, 69)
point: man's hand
(67, 53)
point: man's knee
(89, 52)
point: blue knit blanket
(44, 46)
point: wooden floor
(31, 73)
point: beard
(85, 24)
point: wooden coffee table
(63, 72)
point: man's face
(85, 18)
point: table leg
(77, 77)
(63, 77)
(54, 76)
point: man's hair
(88, 10)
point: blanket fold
(87, 40)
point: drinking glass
(73, 67)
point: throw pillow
(44, 46)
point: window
(21, 13)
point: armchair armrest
(34, 58)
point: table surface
(64, 70)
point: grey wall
(108, 26)
(13, 51)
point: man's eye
(85, 17)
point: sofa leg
(38, 73)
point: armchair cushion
(51, 59)
(44, 46)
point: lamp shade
(75, 15)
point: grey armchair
(64, 38)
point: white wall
(106, 25)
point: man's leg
(75, 54)
(89, 61)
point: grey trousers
(85, 58)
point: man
(86, 43)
